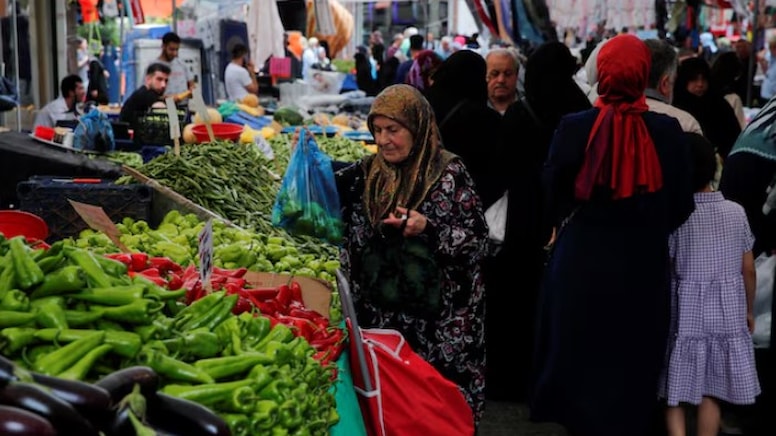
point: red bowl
(227, 131)
(15, 223)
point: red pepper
(239, 282)
(194, 293)
(307, 314)
(234, 273)
(231, 288)
(335, 338)
(164, 265)
(139, 262)
(303, 327)
(174, 282)
(284, 295)
(267, 307)
(296, 290)
(242, 305)
(153, 275)
(262, 294)
(124, 258)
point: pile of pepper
(177, 238)
(66, 312)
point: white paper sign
(206, 254)
(264, 147)
(172, 114)
(198, 104)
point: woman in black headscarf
(550, 93)
(725, 71)
(469, 128)
(715, 115)
(364, 78)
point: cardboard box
(316, 293)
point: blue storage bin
(245, 119)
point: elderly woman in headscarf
(422, 70)
(550, 93)
(413, 193)
(616, 187)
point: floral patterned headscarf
(423, 67)
(407, 183)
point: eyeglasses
(493, 74)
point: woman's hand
(411, 222)
(750, 322)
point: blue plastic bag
(308, 203)
(94, 133)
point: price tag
(206, 254)
(172, 113)
(96, 218)
(264, 147)
(198, 103)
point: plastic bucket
(16, 223)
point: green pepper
(15, 300)
(265, 415)
(95, 276)
(279, 333)
(138, 312)
(125, 344)
(223, 367)
(172, 368)
(157, 293)
(12, 319)
(206, 394)
(146, 332)
(274, 390)
(50, 312)
(198, 343)
(112, 267)
(112, 296)
(15, 338)
(7, 277)
(261, 376)
(51, 263)
(197, 309)
(279, 431)
(26, 271)
(214, 316)
(104, 324)
(238, 423)
(290, 417)
(78, 318)
(239, 400)
(65, 357)
(255, 328)
(82, 367)
(33, 354)
(62, 281)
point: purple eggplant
(59, 413)
(182, 417)
(119, 384)
(19, 422)
(93, 402)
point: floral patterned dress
(454, 341)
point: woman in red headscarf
(616, 185)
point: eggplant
(7, 369)
(93, 402)
(19, 422)
(59, 413)
(177, 416)
(119, 384)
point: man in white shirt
(240, 75)
(180, 79)
(63, 108)
(660, 87)
(768, 64)
(502, 69)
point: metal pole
(752, 55)
(174, 18)
(15, 35)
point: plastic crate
(153, 128)
(47, 197)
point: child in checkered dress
(710, 356)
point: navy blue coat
(604, 305)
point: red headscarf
(620, 153)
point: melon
(251, 100)
(188, 134)
(213, 114)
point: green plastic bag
(351, 421)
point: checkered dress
(710, 350)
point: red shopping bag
(280, 67)
(402, 393)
